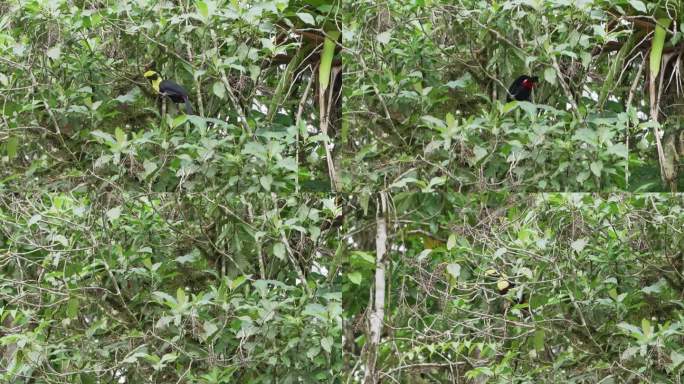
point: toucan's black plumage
(521, 88)
(171, 89)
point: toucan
(521, 88)
(169, 88)
(503, 284)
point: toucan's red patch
(528, 84)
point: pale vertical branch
(377, 315)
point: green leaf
(149, 167)
(619, 149)
(461, 82)
(479, 153)
(631, 329)
(55, 52)
(314, 309)
(646, 327)
(479, 371)
(120, 135)
(326, 59)
(454, 270)
(255, 148)
(179, 120)
(578, 245)
(209, 329)
(657, 45)
(384, 37)
(451, 241)
(307, 18)
(539, 336)
(133, 357)
(677, 359)
(279, 251)
(596, 168)
(509, 106)
(550, 75)
(528, 107)
(202, 9)
(114, 213)
(313, 352)
(238, 281)
(638, 5)
(586, 135)
(266, 182)
(355, 277)
(108, 138)
(72, 308)
(327, 343)
(219, 90)
(12, 145)
(181, 298)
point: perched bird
(521, 88)
(169, 88)
(503, 285)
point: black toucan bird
(169, 88)
(521, 88)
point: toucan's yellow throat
(154, 78)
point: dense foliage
(428, 110)
(597, 293)
(141, 245)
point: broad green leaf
(454, 270)
(355, 277)
(619, 149)
(307, 18)
(114, 213)
(509, 106)
(677, 360)
(539, 336)
(72, 308)
(451, 241)
(638, 5)
(326, 59)
(279, 250)
(219, 90)
(657, 46)
(202, 9)
(12, 145)
(179, 120)
(266, 181)
(384, 37)
(55, 52)
(327, 343)
(550, 75)
(579, 244)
